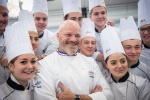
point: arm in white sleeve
(106, 93)
(53, 45)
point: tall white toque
(143, 12)
(128, 29)
(94, 3)
(17, 41)
(71, 6)
(110, 42)
(87, 28)
(27, 20)
(3, 3)
(40, 6)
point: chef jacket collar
(123, 79)
(96, 30)
(146, 46)
(15, 85)
(135, 65)
(40, 36)
(63, 53)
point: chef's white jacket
(140, 69)
(78, 73)
(130, 87)
(44, 42)
(12, 90)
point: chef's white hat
(27, 5)
(17, 41)
(40, 6)
(71, 6)
(87, 28)
(94, 3)
(27, 20)
(3, 3)
(110, 42)
(128, 29)
(143, 12)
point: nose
(41, 21)
(73, 39)
(119, 65)
(133, 50)
(32, 41)
(146, 32)
(1, 17)
(30, 65)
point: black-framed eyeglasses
(142, 30)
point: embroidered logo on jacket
(91, 74)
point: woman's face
(24, 67)
(99, 16)
(117, 65)
(34, 40)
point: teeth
(28, 72)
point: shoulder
(138, 81)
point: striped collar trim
(63, 53)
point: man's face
(133, 48)
(76, 16)
(3, 18)
(145, 34)
(69, 39)
(41, 21)
(88, 46)
(99, 16)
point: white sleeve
(52, 46)
(44, 88)
(95, 54)
(144, 93)
(99, 79)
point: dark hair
(13, 60)
(108, 57)
(96, 6)
(66, 16)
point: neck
(132, 62)
(23, 83)
(147, 44)
(100, 28)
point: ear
(11, 67)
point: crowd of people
(84, 60)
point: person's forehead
(75, 14)
(89, 38)
(144, 26)
(132, 42)
(40, 15)
(3, 9)
(98, 9)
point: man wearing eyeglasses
(40, 14)
(144, 29)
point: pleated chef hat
(87, 28)
(17, 41)
(40, 6)
(143, 12)
(128, 29)
(71, 6)
(94, 3)
(110, 42)
(27, 20)
(3, 3)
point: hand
(65, 94)
(111, 23)
(4, 61)
(40, 57)
(97, 88)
